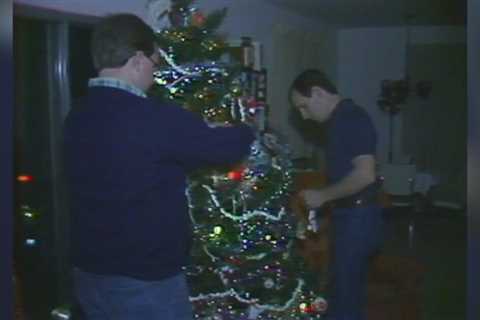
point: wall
(245, 18)
(368, 55)
(88, 7)
(257, 19)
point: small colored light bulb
(24, 178)
(217, 230)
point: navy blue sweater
(127, 158)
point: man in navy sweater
(352, 188)
(127, 157)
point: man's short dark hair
(304, 82)
(118, 37)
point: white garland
(232, 109)
(175, 66)
(184, 71)
(264, 307)
(190, 205)
(247, 216)
(214, 259)
(257, 257)
(243, 111)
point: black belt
(355, 201)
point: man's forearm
(362, 175)
(351, 184)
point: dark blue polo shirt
(351, 133)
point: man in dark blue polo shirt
(351, 189)
(127, 157)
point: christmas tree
(243, 265)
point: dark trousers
(358, 234)
(108, 297)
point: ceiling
(380, 13)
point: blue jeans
(107, 297)
(358, 234)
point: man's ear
(136, 60)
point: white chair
(398, 182)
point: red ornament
(235, 175)
(198, 19)
(253, 103)
(24, 178)
(237, 172)
(235, 261)
(309, 310)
